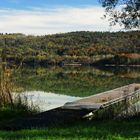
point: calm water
(74, 81)
(46, 100)
(70, 83)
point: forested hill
(75, 47)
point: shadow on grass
(63, 124)
(126, 129)
(55, 117)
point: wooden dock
(129, 94)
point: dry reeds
(5, 87)
(7, 97)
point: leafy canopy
(124, 12)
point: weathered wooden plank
(130, 92)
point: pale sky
(52, 16)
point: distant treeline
(86, 48)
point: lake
(72, 81)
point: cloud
(56, 20)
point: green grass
(86, 130)
(78, 83)
(8, 113)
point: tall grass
(10, 102)
(6, 86)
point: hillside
(86, 48)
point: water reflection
(47, 101)
(74, 81)
(130, 72)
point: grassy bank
(87, 130)
(12, 106)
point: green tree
(124, 12)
